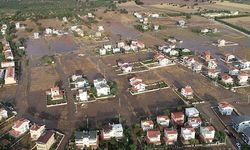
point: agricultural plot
(243, 22)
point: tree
(166, 112)
(192, 142)
(132, 147)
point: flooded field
(43, 47)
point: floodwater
(124, 31)
(43, 47)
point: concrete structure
(82, 95)
(194, 122)
(137, 84)
(187, 134)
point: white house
(194, 122)
(6, 64)
(79, 81)
(226, 79)
(120, 44)
(163, 61)
(170, 136)
(187, 92)
(137, 84)
(116, 50)
(86, 139)
(163, 120)
(36, 35)
(126, 68)
(10, 76)
(192, 112)
(113, 130)
(229, 58)
(55, 93)
(240, 123)
(102, 51)
(102, 87)
(207, 133)
(107, 47)
(212, 73)
(3, 113)
(212, 64)
(225, 108)
(147, 125)
(153, 137)
(196, 67)
(243, 78)
(234, 71)
(36, 131)
(82, 95)
(181, 23)
(20, 127)
(100, 28)
(187, 134)
(173, 53)
(154, 15)
(244, 64)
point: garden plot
(151, 87)
(136, 68)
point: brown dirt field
(43, 78)
(243, 22)
(54, 23)
(226, 5)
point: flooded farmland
(43, 47)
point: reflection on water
(43, 47)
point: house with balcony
(225, 108)
(147, 125)
(187, 134)
(137, 84)
(153, 137)
(212, 64)
(194, 122)
(78, 81)
(243, 78)
(112, 130)
(177, 118)
(240, 123)
(170, 136)
(45, 141)
(36, 131)
(10, 76)
(86, 139)
(102, 87)
(162, 60)
(244, 65)
(20, 127)
(226, 79)
(55, 93)
(213, 73)
(163, 120)
(187, 92)
(82, 95)
(207, 133)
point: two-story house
(86, 139)
(153, 137)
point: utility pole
(87, 121)
(248, 98)
(119, 102)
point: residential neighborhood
(125, 74)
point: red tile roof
(153, 133)
(225, 104)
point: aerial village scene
(124, 74)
